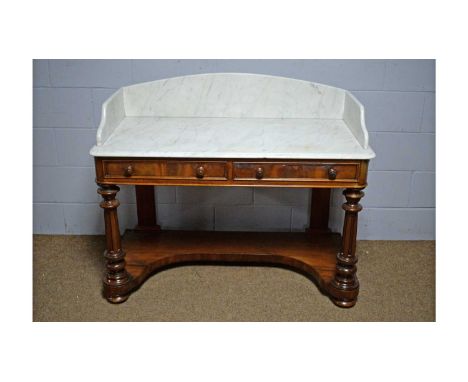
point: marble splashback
(240, 99)
(353, 116)
(113, 112)
(233, 95)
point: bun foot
(117, 299)
(344, 303)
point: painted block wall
(399, 96)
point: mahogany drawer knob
(129, 170)
(331, 174)
(259, 173)
(200, 172)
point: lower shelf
(314, 255)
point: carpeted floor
(397, 284)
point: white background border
(231, 351)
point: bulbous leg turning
(115, 277)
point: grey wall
(399, 96)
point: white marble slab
(234, 95)
(233, 115)
(295, 138)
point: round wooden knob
(331, 174)
(200, 172)
(128, 170)
(259, 173)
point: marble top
(299, 138)
(233, 115)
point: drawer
(132, 169)
(196, 170)
(160, 169)
(296, 171)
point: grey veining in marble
(233, 115)
(233, 137)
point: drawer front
(142, 169)
(196, 170)
(132, 169)
(296, 171)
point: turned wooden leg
(116, 278)
(146, 209)
(345, 283)
(319, 211)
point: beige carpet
(397, 284)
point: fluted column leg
(345, 283)
(116, 278)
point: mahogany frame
(327, 258)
